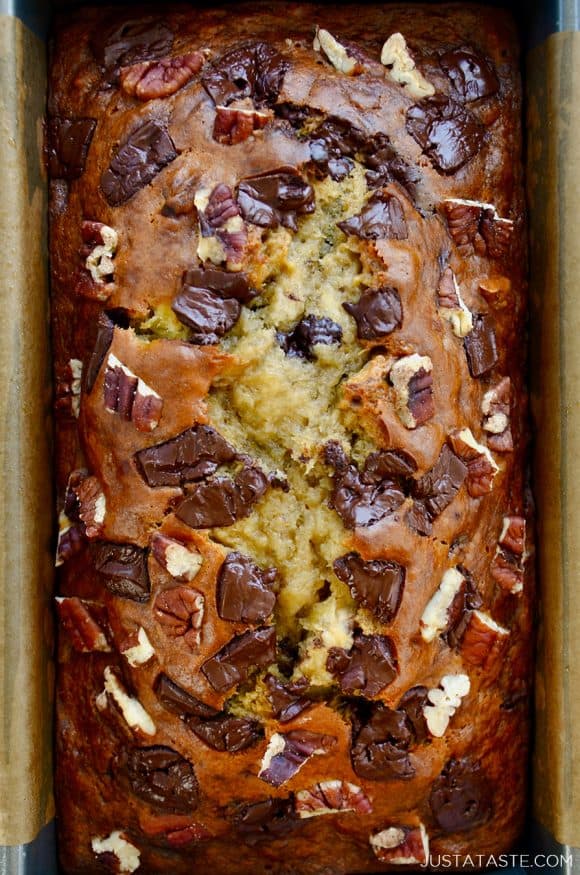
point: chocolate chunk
(360, 501)
(68, 145)
(377, 312)
(266, 820)
(465, 602)
(192, 455)
(145, 152)
(412, 705)
(436, 489)
(221, 501)
(123, 568)
(228, 733)
(460, 798)
(447, 132)
(368, 667)
(385, 166)
(471, 75)
(287, 699)
(480, 346)
(254, 69)
(209, 302)
(232, 664)
(332, 146)
(376, 584)
(140, 39)
(381, 740)
(177, 700)
(381, 218)
(244, 590)
(161, 777)
(298, 746)
(275, 198)
(311, 330)
(388, 463)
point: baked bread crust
(431, 586)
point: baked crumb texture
(288, 319)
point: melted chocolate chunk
(461, 796)
(299, 746)
(227, 733)
(377, 313)
(311, 330)
(68, 145)
(145, 152)
(388, 463)
(376, 584)
(381, 218)
(481, 347)
(232, 664)
(161, 777)
(123, 568)
(385, 166)
(244, 590)
(333, 145)
(471, 75)
(266, 820)
(192, 455)
(209, 302)
(177, 700)
(287, 699)
(447, 132)
(221, 501)
(254, 69)
(381, 740)
(275, 198)
(139, 39)
(368, 667)
(465, 602)
(412, 705)
(436, 490)
(360, 500)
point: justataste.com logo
(499, 861)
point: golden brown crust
(157, 230)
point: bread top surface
(235, 417)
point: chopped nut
(435, 617)
(130, 397)
(137, 650)
(331, 797)
(496, 291)
(128, 856)
(403, 70)
(481, 467)
(70, 539)
(235, 123)
(222, 235)
(477, 227)
(513, 534)
(452, 306)
(92, 506)
(68, 388)
(99, 262)
(154, 79)
(495, 407)
(507, 568)
(411, 379)
(445, 700)
(83, 630)
(178, 560)
(336, 53)
(482, 639)
(132, 710)
(180, 611)
(401, 845)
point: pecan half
(83, 630)
(412, 381)
(496, 409)
(481, 467)
(180, 612)
(153, 79)
(235, 123)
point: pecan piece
(100, 243)
(336, 53)
(131, 709)
(513, 535)
(481, 467)
(402, 68)
(436, 617)
(401, 845)
(136, 648)
(125, 856)
(180, 612)
(235, 123)
(451, 305)
(507, 567)
(482, 640)
(331, 797)
(92, 506)
(443, 702)
(130, 397)
(496, 408)
(68, 388)
(153, 79)
(412, 381)
(178, 560)
(477, 227)
(84, 632)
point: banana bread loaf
(288, 296)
